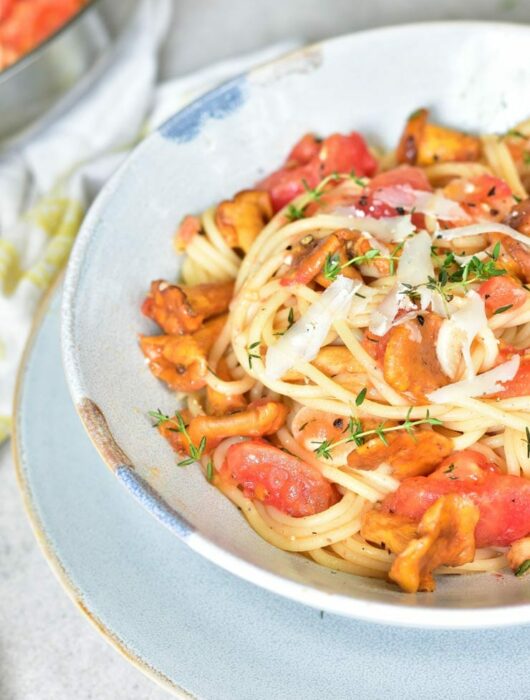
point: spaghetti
(351, 342)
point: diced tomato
(6, 7)
(520, 384)
(346, 154)
(287, 183)
(465, 464)
(358, 205)
(307, 148)
(482, 197)
(402, 175)
(278, 479)
(337, 153)
(503, 499)
(502, 291)
(489, 188)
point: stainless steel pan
(58, 69)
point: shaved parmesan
(415, 265)
(489, 382)
(467, 320)
(304, 339)
(361, 300)
(414, 268)
(479, 229)
(429, 203)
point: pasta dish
(349, 343)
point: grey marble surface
(48, 651)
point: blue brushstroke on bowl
(149, 498)
(218, 104)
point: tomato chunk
(307, 148)
(306, 164)
(503, 499)
(501, 291)
(402, 175)
(482, 197)
(278, 479)
(520, 384)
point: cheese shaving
(484, 384)
(304, 339)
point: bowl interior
(224, 142)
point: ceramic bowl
(474, 76)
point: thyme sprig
(177, 421)
(314, 194)
(333, 267)
(452, 276)
(357, 435)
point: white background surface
(48, 651)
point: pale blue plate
(190, 624)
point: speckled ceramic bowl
(473, 75)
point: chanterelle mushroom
(241, 219)
(446, 535)
(180, 309)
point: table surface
(48, 651)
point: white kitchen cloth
(46, 185)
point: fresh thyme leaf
(502, 309)
(186, 462)
(315, 193)
(323, 449)
(524, 568)
(393, 258)
(294, 213)
(290, 320)
(517, 199)
(358, 181)
(252, 355)
(159, 417)
(496, 251)
(180, 422)
(332, 267)
(380, 432)
(360, 397)
(449, 469)
(527, 431)
(209, 470)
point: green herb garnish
(177, 420)
(523, 569)
(502, 309)
(294, 213)
(252, 355)
(357, 435)
(360, 397)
